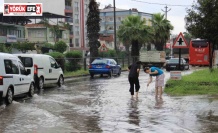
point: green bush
(24, 46)
(73, 58)
(59, 57)
(60, 46)
(5, 49)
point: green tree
(162, 29)
(134, 31)
(93, 28)
(202, 22)
(24, 46)
(60, 46)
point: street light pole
(115, 38)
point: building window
(76, 30)
(76, 5)
(51, 34)
(39, 33)
(110, 27)
(3, 32)
(86, 8)
(77, 42)
(19, 33)
(76, 16)
(111, 19)
(65, 35)
(119, 18)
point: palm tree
(93, 28)
(162, 29)
(133, 31)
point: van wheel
(31, 90)
(61, 81)
(9, 96)
(41, 83)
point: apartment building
(12, 30)
(107, 24)
(78, 11)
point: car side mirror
(28, 71)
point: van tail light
(90, 66)
(107, 66)
(1, 80)
(35, 69)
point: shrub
(73, 58)
(59, 57)
(60, 46)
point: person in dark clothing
(133, 77)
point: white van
(43, 68)
(14, 79)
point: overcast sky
(175, 15)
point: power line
(159, 3)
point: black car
(173, 64)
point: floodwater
(104, 105)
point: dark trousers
(132, 82)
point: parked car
(168, 58)
(173, 64)
(43, 68)
(14, 79)
(104, 66)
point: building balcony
(69, 20)
(108, 38)
(71, 35)
(68, 9)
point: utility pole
(166, 11)
(115, 38)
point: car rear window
(27, 61)
(174, 61)
(99, 62)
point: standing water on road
(104, 104)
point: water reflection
(158, 103)
(134, 112)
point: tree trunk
(135, 50)
(93, 50)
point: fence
(73, 64)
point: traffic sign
(180, 42)
(103, 48)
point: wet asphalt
(104, 105)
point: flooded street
(104, 105)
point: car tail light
(1, 80)
(90, 66)
(107, 66)
(35, 69)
